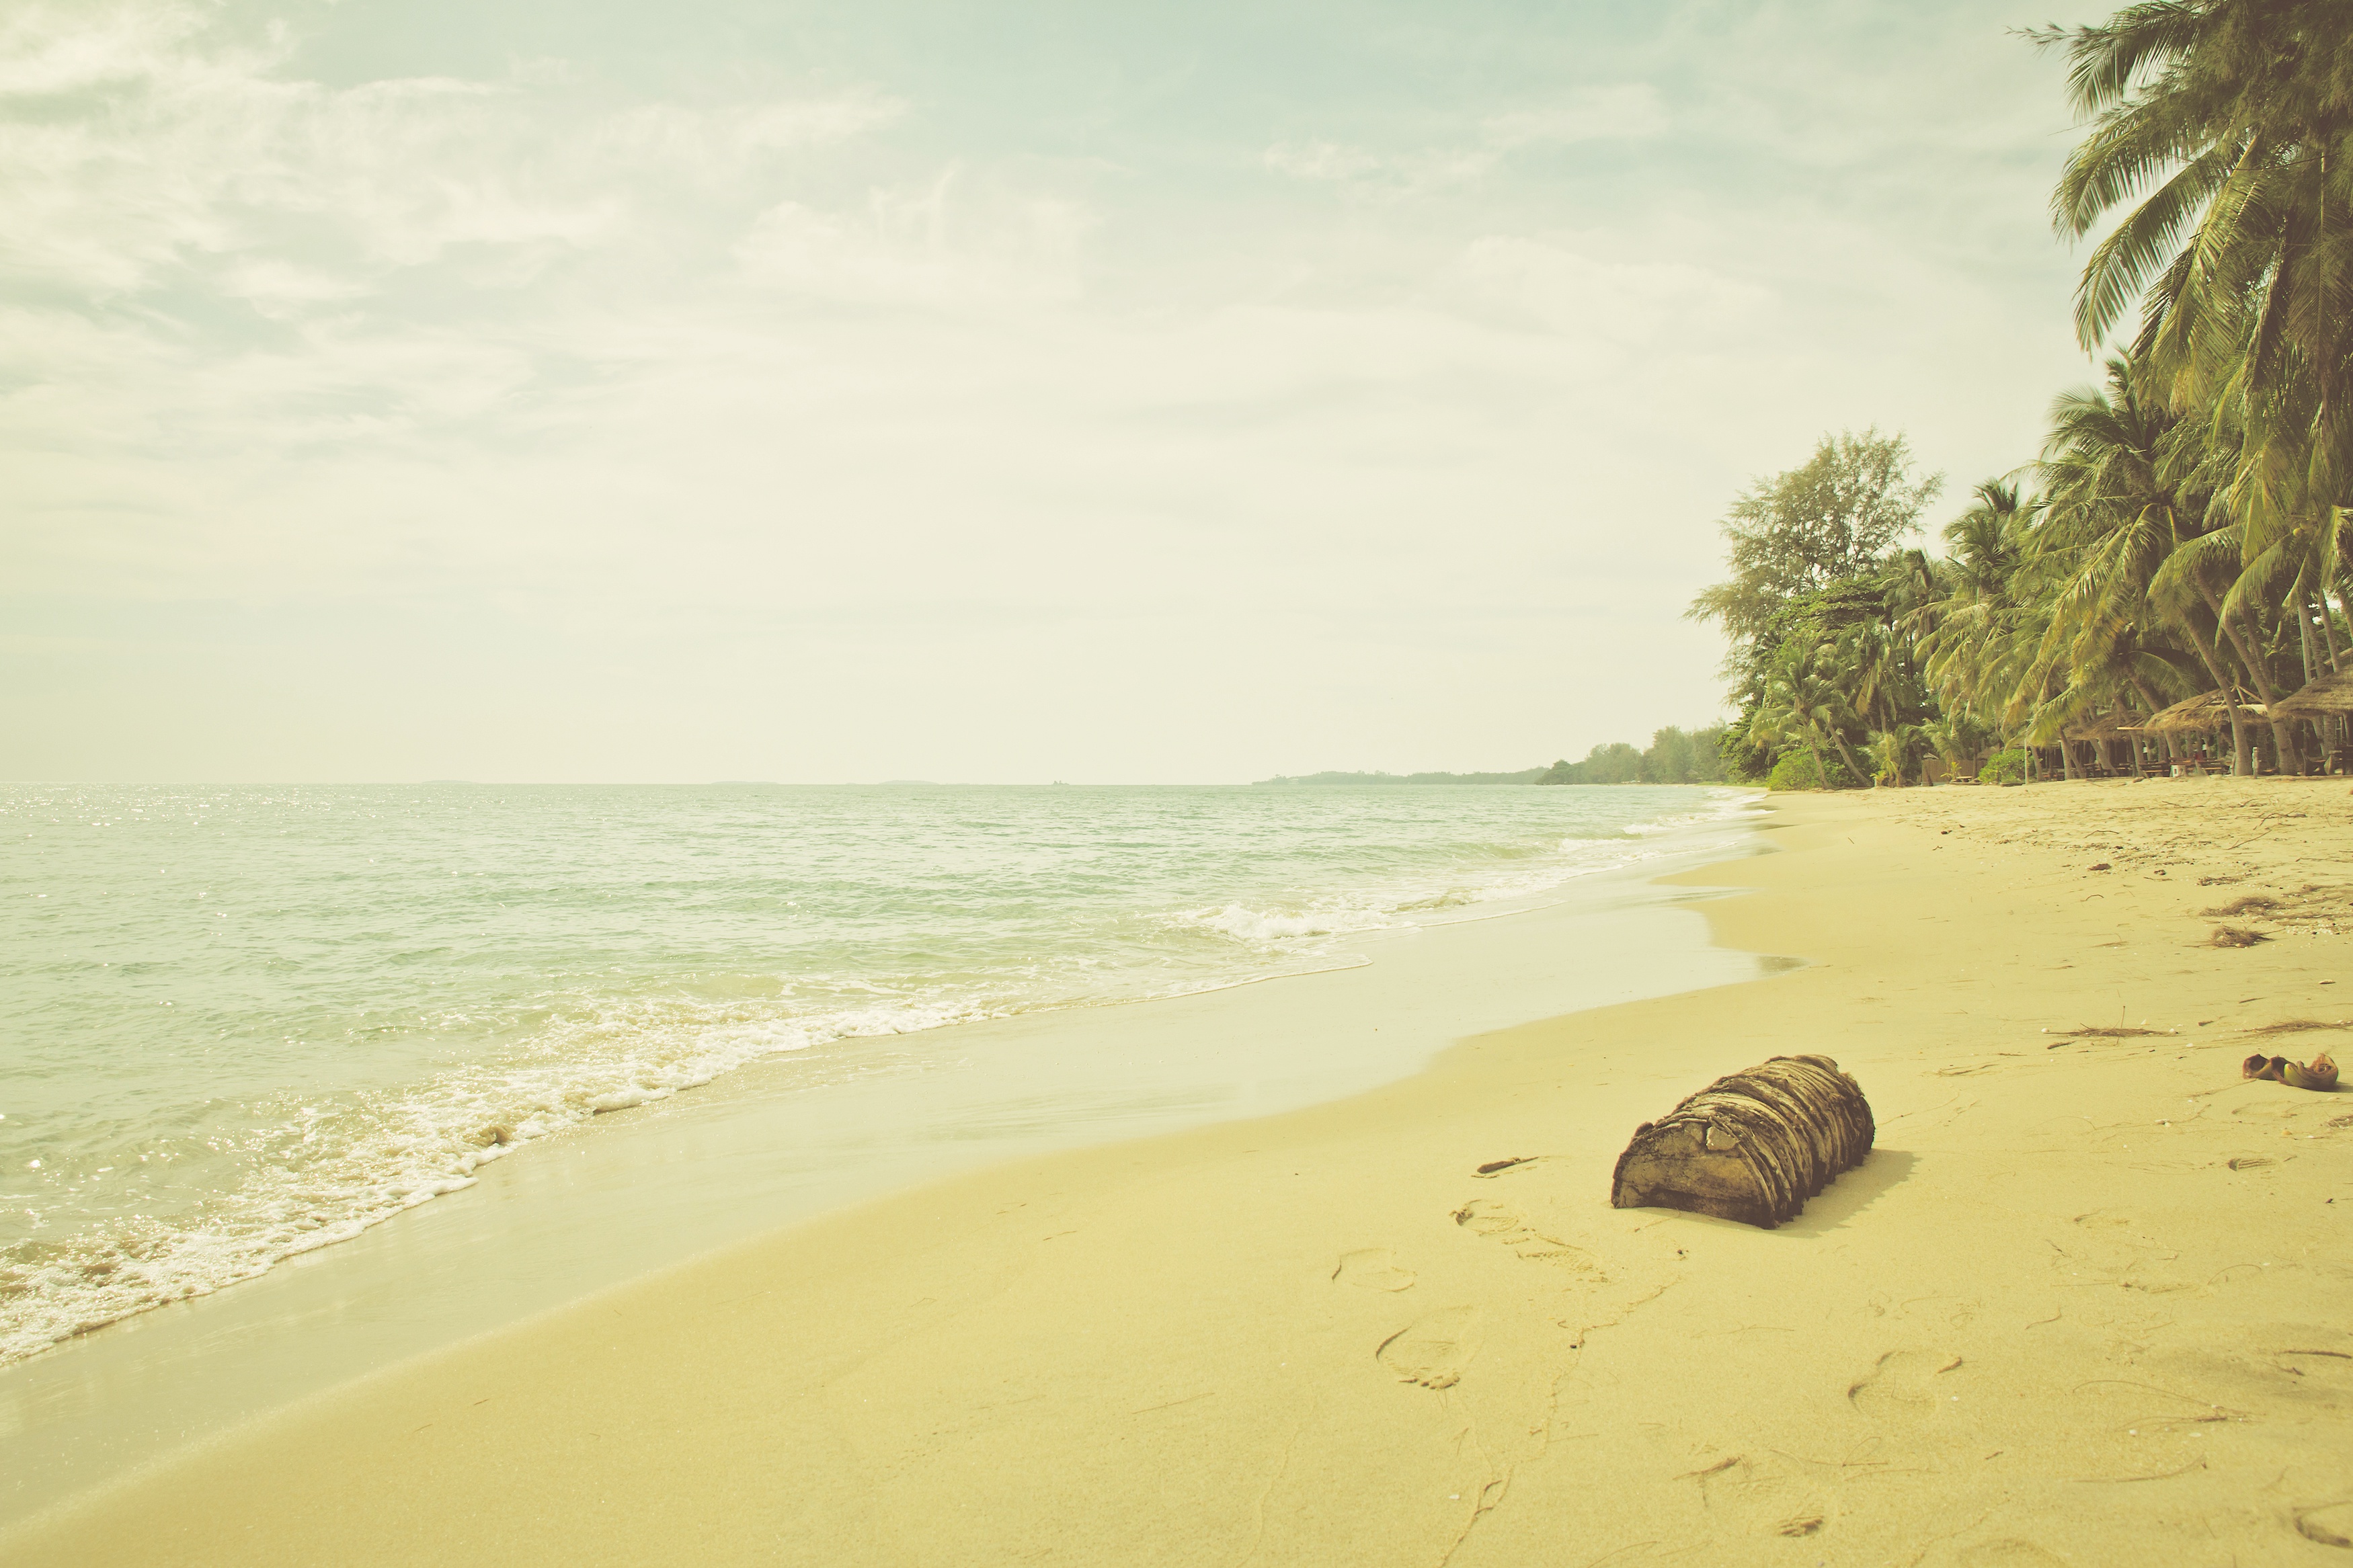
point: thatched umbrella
(2207, 710)
(2109, 724)
(2329, 694)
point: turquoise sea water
(244, 1023)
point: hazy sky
(515, 389)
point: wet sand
(2084, 1304)
(778, 1144)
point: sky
(1141, 393)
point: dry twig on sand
(2252, 904)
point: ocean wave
(1569, 858)
(125, 1214)
(333, 1167)
(1249, 925)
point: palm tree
(1970, 639)
(2230, 123)
(1891, 751)
(2229, 120)
(1804, 705)
(2116, 520)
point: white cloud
(49, 50)
(177, 154)
(1625, 111)
(720, 145)
(553, 409)
(1629, 109)
(920, 246)
(1324, 160)
(1617, 301)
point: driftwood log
(1752, 1147)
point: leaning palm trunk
(2148, 700)
(2282, 742)
(2241, 744)
(1851, 765)
(2303, 633)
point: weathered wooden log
(1752, 1147)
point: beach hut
(2204, 713)
(2328, 704)
(2100, 728)
(2207, 710)
(2329, 694)
(2104, 725)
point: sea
(241, 1023)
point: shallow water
(244, 1023)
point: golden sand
(2089, 1301)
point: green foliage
(1815, 607)
(1675, 756)
(1614, 763)
(2004, 768)
(2221, 124)
(1745, 759)
(2189, 525)
(1797, 769)
(1956, 738)
(1895, 754)
(1796, 533)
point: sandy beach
(2084, 1304)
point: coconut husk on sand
(1752, 1147)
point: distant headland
(1675, 756)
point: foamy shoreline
(159, 1149)
(579, 1215)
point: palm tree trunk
(2242, 760)
(2304, 631)
(2283, 743)
(2067, 752)
(1851, 765)
(2148, 699)
(2330, 729)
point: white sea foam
(332, 1170)
(436, 1005)
(1390, 908)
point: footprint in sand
(1769, 1494)
(1434, 1350)
(1485, 1217)
(2331, 1524)
(2321, 1378)
(1905, 1385)
(2266, 1379)
(1373, 1268)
